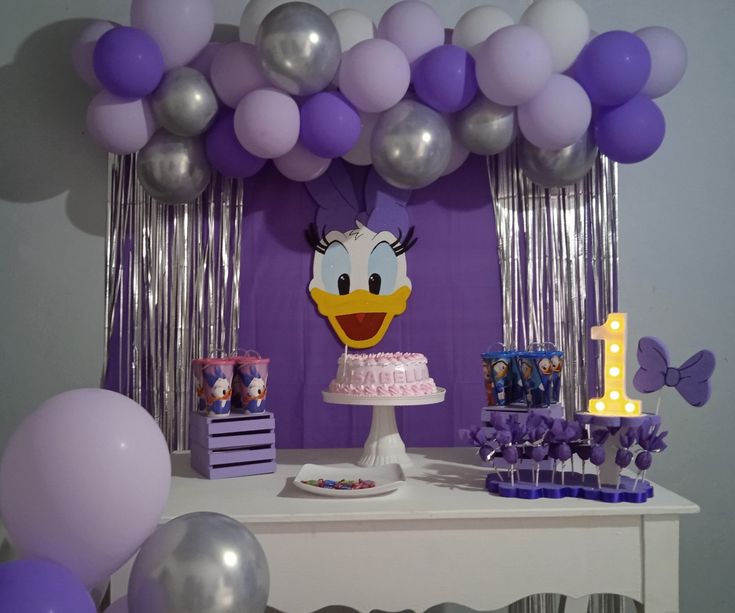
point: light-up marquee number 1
(614, 401)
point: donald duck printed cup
(250, 383)
(535, 370)
(217, 384)
(497, 368)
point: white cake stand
(384, 444)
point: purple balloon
(40, 586)
(558, 117)
(83, 482)
(631, 132)
(445, 78)
(181, 28)
(613, 67)
(668, 60)
(412, 25)
(82, 53)
(120, 125)
(128, 62)
(224, 151)
(513, 65)
(330, 125)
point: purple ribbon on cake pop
(691, 379)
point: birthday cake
(383, 374)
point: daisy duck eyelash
(401, 245)
(317, 242)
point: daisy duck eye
(336, 269)
(382, 269)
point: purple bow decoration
(691, 379)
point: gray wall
(676, 252)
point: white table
(440, 538)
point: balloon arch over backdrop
(302, 87)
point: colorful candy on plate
(342, 484)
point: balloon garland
(303, 87)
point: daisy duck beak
(360, 319)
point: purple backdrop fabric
(454, 312)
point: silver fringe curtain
(558, 265)
(172, 273)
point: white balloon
(565, 26)
(477, 24)
(360, 154)
(352, 27)
(253, 15)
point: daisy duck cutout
(359, 280)
(220, 392)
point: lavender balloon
(613, 67)
(128, 62)
(40, 586)
(668, 60)
(330, 125)
(412, 25)
(513, 65)
(267, 123)
(203, 61)
(101, 457)
(301, 165)
(631, 132)
(225, 152)
(558, 116)
(374, 75)
(182, 28)
(235, 72)
(120, 125)
(82, 53)
(445, 78)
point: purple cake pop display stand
(575, 485)
(616, 421)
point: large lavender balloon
(182, 28)
(668, 60)
(411, 145)
(299, 48)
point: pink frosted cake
(383, 374)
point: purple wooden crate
(234, 445)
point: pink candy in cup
(217, 384)
(250, 384)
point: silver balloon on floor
(411, 145)
(200, 563)
(173, 168)
(486, 128)
(184, 103)
(299, 48)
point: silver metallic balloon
(184, 102)
(411, 145)
(555, 168)
(173, 168)
(486, 128)
(200, 563)
(299, 48)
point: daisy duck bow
(359, 280)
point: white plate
(387, 478)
